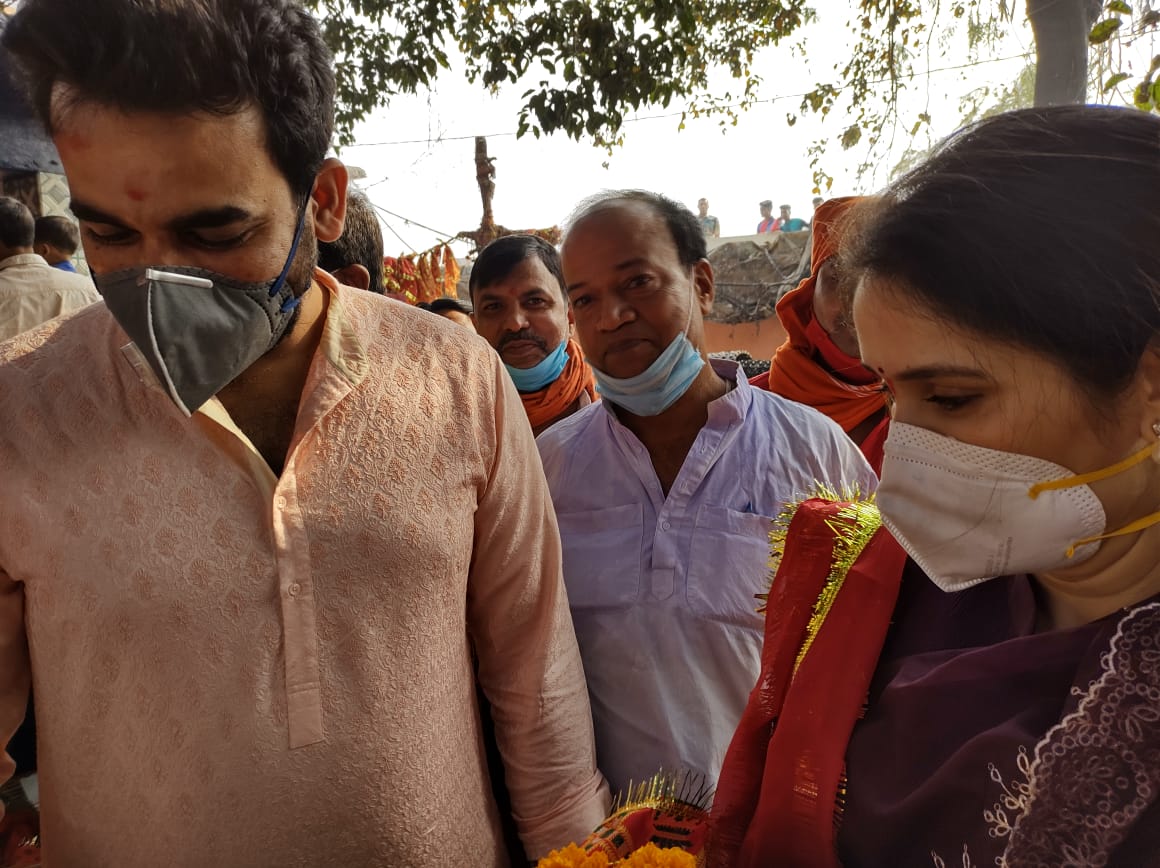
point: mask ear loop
(291, 303)
(1095, 476)
(1152, 450)
(1134, 527)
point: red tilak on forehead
(134, 192)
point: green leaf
(1119, 6)
(1142, 97)
(1118, 78)
(851, 136)
(1104, 31)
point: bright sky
(432, 181)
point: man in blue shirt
(786, 223)
(57, 240)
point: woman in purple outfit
(1012, 694)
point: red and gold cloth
(781, 788)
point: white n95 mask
(966, 514)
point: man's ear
(355, 275)
(329, 200)
(704, 285)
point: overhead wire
(391, 229)
(447, 235)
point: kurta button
(294, 590)
(280, 502)
(666, 526)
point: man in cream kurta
(259, 531)
(31, 290)
(237, 669)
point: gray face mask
(199, 329)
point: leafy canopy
(599, 60)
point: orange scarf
(552, 402)
(794, 373)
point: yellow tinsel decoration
(854, 527)
(780, 526)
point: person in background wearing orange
(517, 287)
(818, 364)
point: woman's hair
(1038, 227)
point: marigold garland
(652, 856)
(648, 856)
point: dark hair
(503, 256)
(683, 225)
(996, 233)
(440, 305)
(180, 56)
(361, 242)
(59, 232)
(17, 228)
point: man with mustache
(520, 308)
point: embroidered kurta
(233, 668)
(664, 588)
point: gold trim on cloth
(854, 526)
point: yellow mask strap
(1135, 527)
(1095, 476)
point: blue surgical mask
(544, 373)
(660, 385)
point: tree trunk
(1061, 30)
(485, 177)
